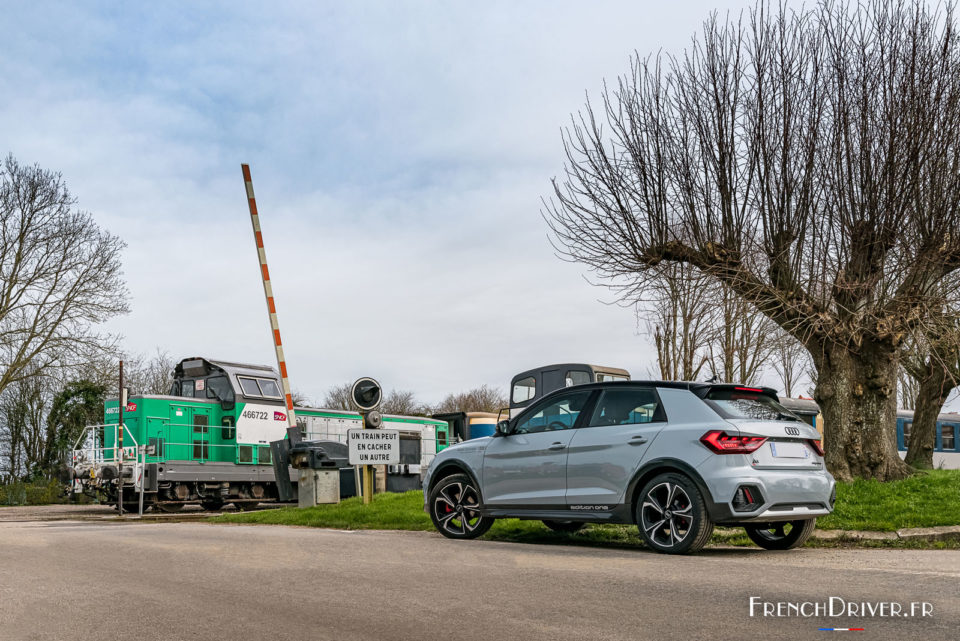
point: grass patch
(924, 500)
(388, 512)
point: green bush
(34, 493)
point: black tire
(564, 526)
(671, 515)
(211, 506)
(784, 535)
(450, 500)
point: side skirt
(611, 514)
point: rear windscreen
(734, 403)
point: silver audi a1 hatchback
(673, 458)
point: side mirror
(503, 428)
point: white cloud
(399, 152)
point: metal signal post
(268, 293)
(367, 394)
(121, 402)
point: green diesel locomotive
(208, 440)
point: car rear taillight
(722, 443)
(817, 446)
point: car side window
(627, 407)
(559, 413)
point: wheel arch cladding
(449, 468)
(665, 466)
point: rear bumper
(794, 514)
(787, 494)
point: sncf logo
(792, 431)
(280, 416)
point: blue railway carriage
(945, 453)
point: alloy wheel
(666, 514)
(455, 508)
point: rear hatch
(789, 442)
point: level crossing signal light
(367, 394)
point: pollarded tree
(810, 162)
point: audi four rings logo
(792, 431)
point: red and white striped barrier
(268, 292)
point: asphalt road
(99, 580)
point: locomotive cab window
(186, 389)
(269, 388)
(261, 387)
(249, 386)
(219, 387)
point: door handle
(638, 440)
(557, 446)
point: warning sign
(373, 447)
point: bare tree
(402, 402)
(677, 313)
(59, 275)
(907, 389)
(479, 399)
(338, 398)
(741, 340)
(300, 399)
(790, 361)
(141, 374)
(808, 162)
(23, 410)
(405, 403)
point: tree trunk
(935, 386)
(856, 391)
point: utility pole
(121, 401)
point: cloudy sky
(399, 152)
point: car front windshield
(741, 403)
